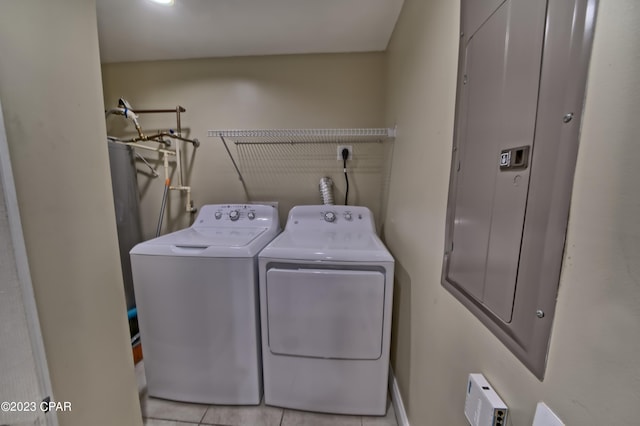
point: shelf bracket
(235, 165)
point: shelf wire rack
(299, 136)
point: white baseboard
(396, 400)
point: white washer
(197, 299)
(326, 286)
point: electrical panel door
(495, 133)
(522, 71)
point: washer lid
(208, 242)
(328, 245)
(218, 237)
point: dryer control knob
(234, 215)
(218, 215)
(251, 215)
(330, 216)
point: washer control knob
(251, 215)
(218, 215)
(347, 216)
(234, 215)
(330, 216)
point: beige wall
(52, 103)
(50, 89)
(301, 91)
(592, 372)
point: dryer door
(325, 313)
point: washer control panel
(244, 215)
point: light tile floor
(159, 412)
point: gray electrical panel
(521, 81)
(501, 79)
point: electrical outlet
(348, 148)
(545, 417)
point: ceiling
(139, 30)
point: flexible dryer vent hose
(326, 190)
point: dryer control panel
(242, 215)
(329, 217)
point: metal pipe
(167, 182)
(160, 139)
(194, 141)
(178, 120)
(149, 148)
(160, 111)
(153, 137)
(128, 112)
(178, 164)
(178, 157)
(166, 168)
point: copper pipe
(155, 136)
(179, 109)
(159, 111)
(195, 142)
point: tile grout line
(171, 420)
(204, 415)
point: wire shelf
(298, 136)
(291, 136)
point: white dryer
(326, 286)
(197, 299)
